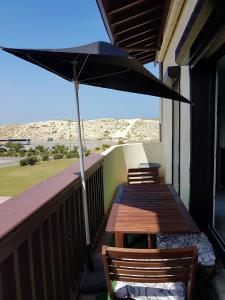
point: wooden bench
(144, 176)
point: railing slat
(37, 265)
(82, 229)
(30, 253)
(69, 240)
(74, 242)
(52, 260)
(98, 191)
(24, 268)
(1, 287)
(59, 246)
(43, 268)
(8, 279)
(17, 275)
(95, 198)
(78, 231)
(102, 193)
(56, 256)
(64, 248)
(48, 264)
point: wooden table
(148, 209)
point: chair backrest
(150, 266)
(144, 175)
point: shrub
(22, 152)
(105, 146)
(59, 149)
(14, 146)
(31, 152)
(70, 155)
(24, 162)
(3, 150)
(120, 142)
(10, 153)
(32, 160)
(45, 157)
(97, 148)
(75, 152)
(87, 152)
(58, 156)
(40, 148)
(3, 153)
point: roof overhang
(136, 26)
(200, 15)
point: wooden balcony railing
(42, 238)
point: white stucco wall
(118, 159)
(185, 143)
(134, 154)
(169, 60)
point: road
(88, 143)
(9, 161)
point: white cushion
(206, 256)
(150, 291)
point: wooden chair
(144, 175)
(148, 266)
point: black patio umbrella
(98, 64)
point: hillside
(129, 130)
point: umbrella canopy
(99, 64)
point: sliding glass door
(176, 141)
(219, 161)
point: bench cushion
(206, 256)
(150, 291)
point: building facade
(186, 38)
(193, 136)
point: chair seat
(206, 256)
(150, 291)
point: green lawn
(16, 179)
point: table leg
(150, 238)
(119, 242)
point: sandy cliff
(131, 130)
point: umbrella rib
(82, 66)
(106, 75)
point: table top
(151, 209)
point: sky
(29, 93)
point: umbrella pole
(84, 191)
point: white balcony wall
(169, 60)
(118, 159)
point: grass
(16, 179)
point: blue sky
(29, 93)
